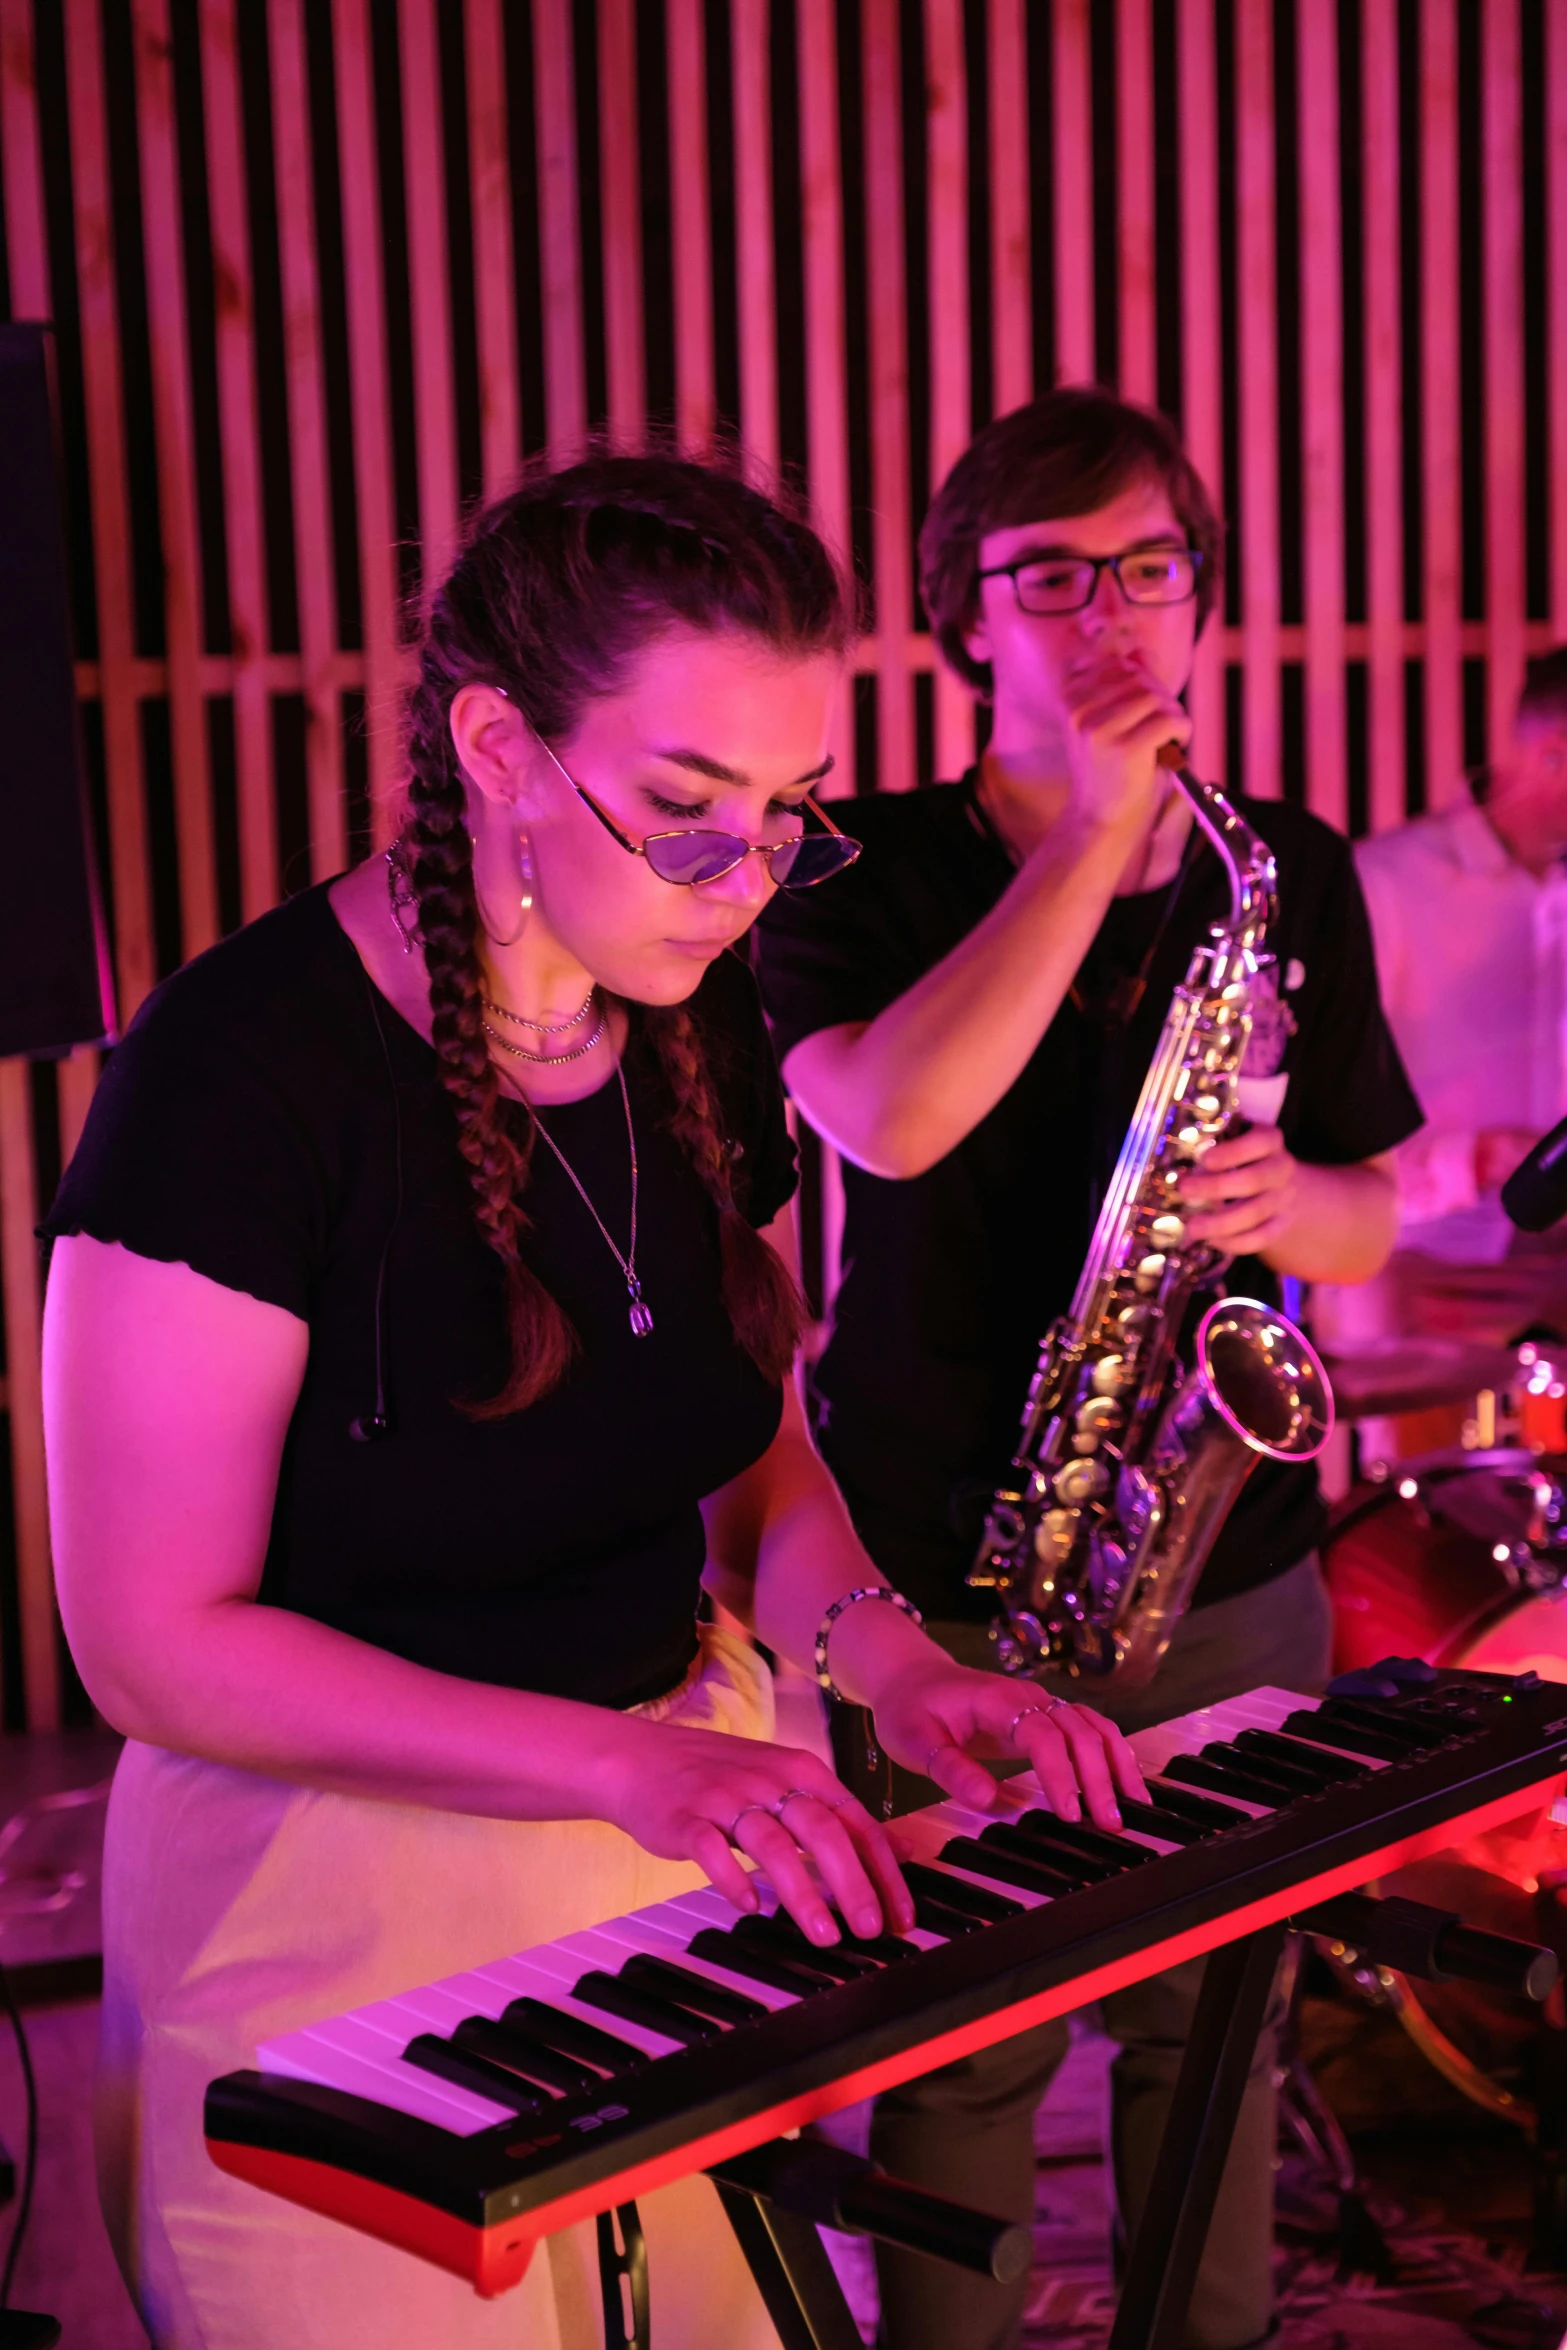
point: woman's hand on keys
(703, 1796)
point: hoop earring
(524, 895)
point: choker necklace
(543, 1027)
(520, 1052)
(641, 1317)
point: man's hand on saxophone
(1253, 1199)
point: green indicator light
(1507, 1701)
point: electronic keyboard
(467, 2119)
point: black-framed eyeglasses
(1069, 583)
(688, 859)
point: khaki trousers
(968, 2130)
(236, 1908)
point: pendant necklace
(640, 1316)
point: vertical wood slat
(1442, 485)
(21, 159)
(174, 437)
(240, 432)
(1139, 372)
(23, 1319)
(620, 202)
(494, 282)
(424, 179)
(889, 401)
(1197, 110)
(691, 223)
(1011, 257)
(1502, 296)
(755, 267)
(315, 566)
(1322, 408)
(826, 363)
(98, 314)
(1072, 128)
(1257, 303)
(1556, 299)
(1384, 392)
(560, 227)
(951, 391)
(370, 398)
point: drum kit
(1458, 1554)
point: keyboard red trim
(492, 2260)
(496, 2258)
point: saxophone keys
(1096, 1419)
(1054, 1536)
(1081, 1480)
(1149, 1274)
(1167, 1232)
(1106, 1375)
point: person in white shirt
(1469, 914)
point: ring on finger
(732, 1831)
(804, 1793)
(1047, 1709)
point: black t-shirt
(247, 1126)
(951, 1278)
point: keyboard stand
(1168, 2247)
(794, 2276)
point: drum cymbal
(1376, 1377)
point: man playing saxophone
(970, 1023)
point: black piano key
(470, 2071)
(1008, 1868)
(1340, 1734)
(779, 1935)
(689, 1989)
(1077, 1837)
(1332, 1770)
(884, 1949)
(1187, 1804)
(939, 1917)
(1294, 1778)
(1223, 1778)
(535, 2019)
(984, 1906)
(1413, 1733)
(1073, 1870)
(1156, 1819)
(760, 1966)
(546, 2066)
(655, 2014)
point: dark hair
(1544, 696)
(559, 586)
(1065, 453)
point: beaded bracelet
(865, 1591)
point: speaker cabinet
(55, 988)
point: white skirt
(237, 1907)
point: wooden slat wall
(319, 390)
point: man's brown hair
(1067, 452)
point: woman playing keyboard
(418, 1329)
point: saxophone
(1129, 1462)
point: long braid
(763, 1303)
(439, 857)
(559, 587)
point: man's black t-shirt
(951, 1278)
(248, 1126)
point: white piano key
(653, 1944)
(346, 2036)
(408, 2091)
(532, 1977)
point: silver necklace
(543, 1027)
(641, 1315)
(520, 1052)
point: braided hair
(558, 588)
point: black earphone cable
(24, 2207)
(362, 1430)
